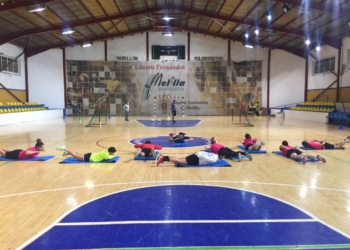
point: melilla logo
(156, 80)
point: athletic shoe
(347, 139)
(137, 151)
(304, 159)
(320, 158)
(249, 156)
(65, 153)
(239, 157)
(61, 148)
(160, 160)
(262, 143)
(154, 155)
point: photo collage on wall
(199, 88)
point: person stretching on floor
(19, 154)
(180, 138)
(215, 147)
(294, 153)
(199, 158)
(90, 157)
(251, 144)
(146, 149)
(315, 144)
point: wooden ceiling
(324, 22)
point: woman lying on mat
(215, 147)
(251, 144)
(146, 149)
(315, 144)
(294, 153)
(179, 138)
(20, 154)
(90, 157)
(199, 158)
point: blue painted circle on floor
(165, 143)
(186, 216)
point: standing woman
(173, 111)
(126, 109)
(20, 154)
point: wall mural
(200, 88)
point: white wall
(45, 78)
(94, 53)
(322, 81)
(128, 46)
(287, 78)
(201, 45)
(13, 81)
(345, 79)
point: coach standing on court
(173, 110)
(126, 109)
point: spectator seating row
(314, 109)
(19, 104)
(317, 104)
(4, 110)
(339, 118)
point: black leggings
(231, 153)
(14, 154)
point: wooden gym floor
(33, 195)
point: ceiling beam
(10, 37)
(301, 33)
(334, 9)
(19, 4)
(299, 53)
(34, 51)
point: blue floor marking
(165, 143)
(169, 124)
(138, 218)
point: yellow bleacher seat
(1, 111)
(0, 103)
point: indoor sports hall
(105, 104)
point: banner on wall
(199, 88)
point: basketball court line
(174, 182)
(182, 221)
(75, 208)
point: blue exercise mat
(304, 148)
(75, 161)
(180, 144)
(299, 160)
(236, 158)
(251, 151)
(207, 150)
(38, 158)
(143, 158)
(221, 163)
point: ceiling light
(307, 42)
(249, 46)
(269, 17)
(168, 34)
(318, 48)
(167, 18)
(85, 45)
(246, 35)
(285, 8)
(67, 31)
(257, 32)
(36, 8)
